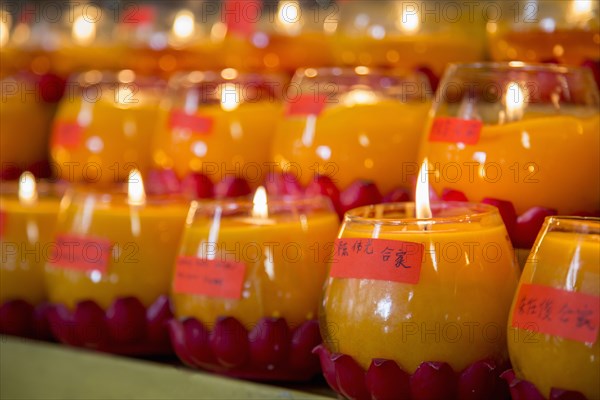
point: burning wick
(423, 208)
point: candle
(217, 124)
(353, 125)
(260, 267)
(104, 125)
(555, 317)
(26, 227)
(426, 289)
(111, 245)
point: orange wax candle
(451, 308)
(26, 236)
(112, 245)
(553, 326)
(277, 260)
(104, 126)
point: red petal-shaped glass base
(127, 327)
(270, 351)
(524, 390)
(19, 318)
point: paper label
(82, 253)
(241, 16)
(68, 134)
(557, 312)
(379, 259)
(179, 119)
(212, 278)
(138, 14)
(455, 130)
(309, 104)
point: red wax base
(271, 351)
(524, 390)
(127, 327)
(19, 318)
(431, 381)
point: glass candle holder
(353, 133)
(24, 138)
(494, 133)
(425, 35)
(431, 295)
(28, 213)
(218, 125)
(247, 284)
(555, 316)
(108, 278)
(565, 32)
(104, 126)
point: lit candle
(434, 285)
(255, 262)
(84, 31)
(27, 222)
(289, 17)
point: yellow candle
(112, 245)
(227, 138)
(376, 142)
(26, 227)
(103, 130)
(456, 310)
(517, 161)
(283, 256)
(565, 257)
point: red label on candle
(309, 104)
(82, 253)
(212, 278)
(3, 216)
(136, 14)
(179, 119)
(67, 134)
(455, 130)
(241, 16)
(379, 259)
(557, 312)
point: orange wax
(143, 243)
(538, 161)
(567, 261)
(285, 267)
(109, 135)
(377, 142)
(567, 46)
(26, 241)
(457, 311)
(236, 143)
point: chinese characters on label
(379, 259)
(455, 130)
(81, 253)
(212, 278)
(557, 312)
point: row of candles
(429, 285)
(289, 34)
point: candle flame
(184, 25)
(288, 17)
(408, 20)
(360, 96)
(84, 31)
(581, 9)
(136, 196)
(259, 204)
(423, 207)
(230, 97)
(514, 101)
(27, 189)
(5, 23)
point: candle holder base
(20, 318)
(432, 380)
(525, 390)
(271, 351)
(125, 328)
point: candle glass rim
(479, 211)
(110, 76)
(515, 66)
(45, 188)
(118, 194)
(182, 77)
(571, 223)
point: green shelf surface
(35, 370)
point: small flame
(84, 31)
(5, 23)
(360, 96)
(423, 208)
(581, 9)
(136, 196)
(184, 25)
(514, 100)
(27, 189)
(260, 209)
(408, 20)
(288, 17)
(230, 97)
